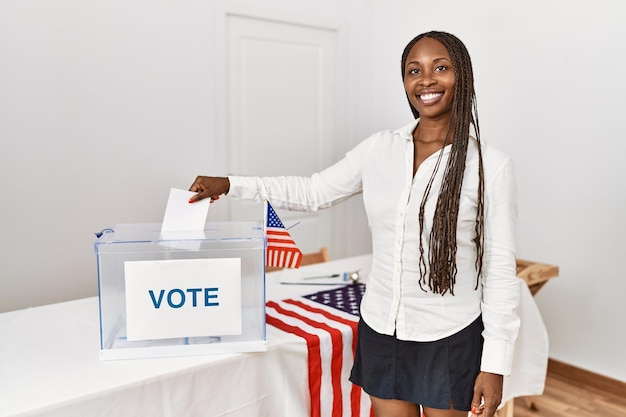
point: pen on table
(323, 276)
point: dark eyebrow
(434, 60)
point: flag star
(346, 298)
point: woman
(438, 319)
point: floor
(572, 399)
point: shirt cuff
(497, 357)
(244, 188)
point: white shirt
(381, 167)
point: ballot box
(181, 293)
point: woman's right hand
(209, 187)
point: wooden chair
(535, 274)
(315, 257)
(308, 258)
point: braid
(442, 240)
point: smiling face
(429, 79)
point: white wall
(106, 105)
(103, 107)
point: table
(50, 366)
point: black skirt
(428, 373)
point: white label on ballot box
(182, 298)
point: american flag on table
(282, 251)
(327, 321)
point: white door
(281, 80)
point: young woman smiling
(438, 319)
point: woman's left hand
(488, 388)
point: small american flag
(327, 321)
(282, 251)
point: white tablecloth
(50, 366)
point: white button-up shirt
(381, 167)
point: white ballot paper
(182, 216)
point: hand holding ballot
(207, 187)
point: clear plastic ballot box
(181, 293)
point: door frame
(223, 10)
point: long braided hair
(442, 244)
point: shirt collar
(406, 132)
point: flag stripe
(320, 381)
(353, 324)
(281, 243)
(330, 319)
(355, 391)
(283, 258)
(336, 358)
(314, 361)
(320, 377)
(280, 231)
(330, 335)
